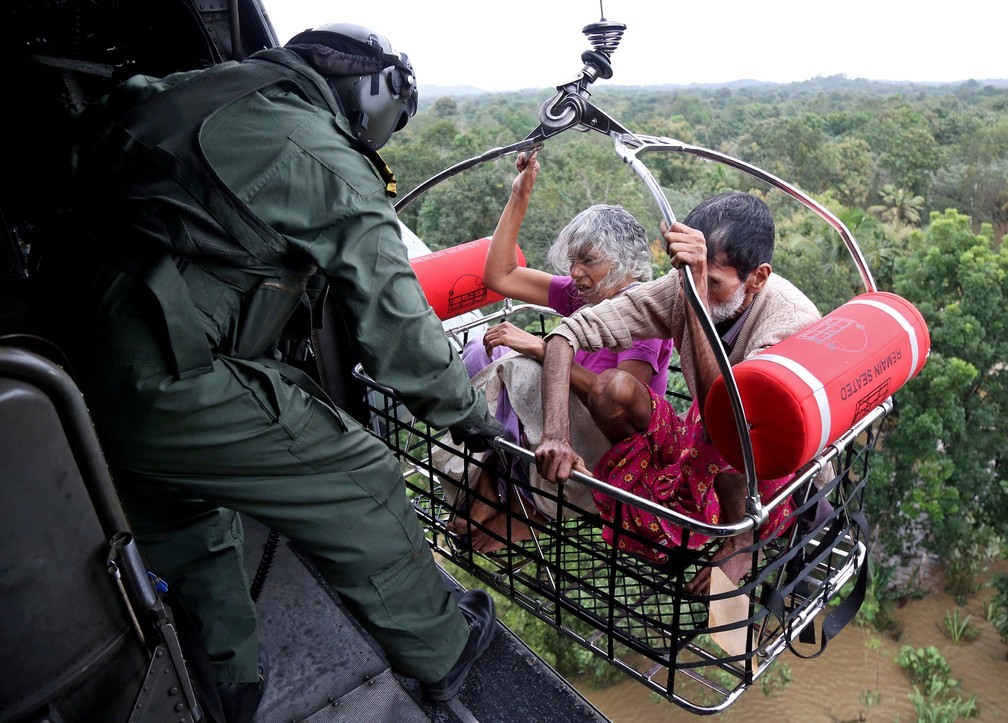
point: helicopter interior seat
(70, 566)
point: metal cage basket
(700, 651)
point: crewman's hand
(479, 437)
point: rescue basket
(700, 651)
(619, 594)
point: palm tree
(898, 205)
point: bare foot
(731, 491)
(734, 566)
(492, 535)
(479, 511)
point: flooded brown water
(856, 678)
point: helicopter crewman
(217, 204)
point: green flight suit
(191, 450)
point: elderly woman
(602, 252)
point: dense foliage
(919, 174)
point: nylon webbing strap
(189, 349)
(843, 613)
(795, 565)
(308, 385)
(190, 352)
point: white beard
(725, 311)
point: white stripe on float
(902, 321)
(815, 386)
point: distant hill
(438, 91)
(832, 82)
(827, 83)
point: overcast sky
(516, 44)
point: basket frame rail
(635, 614)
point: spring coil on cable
(265, 563)
(604, 36)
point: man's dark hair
(738, 224)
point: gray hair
(615, 234)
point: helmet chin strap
(382, 167)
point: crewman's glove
(479, 437)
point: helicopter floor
(324, 667)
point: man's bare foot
(479, 510)
(734, 566)
(731, 491)
(492, 535)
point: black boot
(478, 608)
(240, 701)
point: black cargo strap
(191, 352)
(842, 614)
(190, 349)
(308, 385)
(807, 519)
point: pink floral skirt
(672, 464)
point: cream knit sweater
(658, 309)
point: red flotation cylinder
(452, 278)
(802, 393)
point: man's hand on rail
(685, 245)
(555, 459)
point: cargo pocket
(266, 312)
(283, 402)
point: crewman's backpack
(148, 203)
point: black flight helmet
(375, 85)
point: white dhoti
(519, 378)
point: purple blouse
(564, 298)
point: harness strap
(190, 351)
(176, 201)
(299, 379)
(843, 613)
